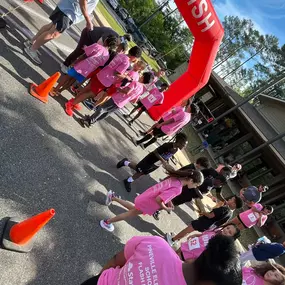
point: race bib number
(194, 243)
(151, 98)
(252, 217)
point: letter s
(202, 4)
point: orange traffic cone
(41, 91)
(18, 235)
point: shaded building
(242, 136)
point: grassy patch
(119, 29)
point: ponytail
(195, 175)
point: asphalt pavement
(49, 161)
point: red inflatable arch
(208, 32)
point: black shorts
(60, 20)
(92, 281)
(158, 133)
(145, 167)
(187, 195)
(241, 221)
(141, 106)
(202, 224)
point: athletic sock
(130, 179)
(126, 163)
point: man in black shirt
(89, 37)
(201, 163)
(153, 160)
(214, 219)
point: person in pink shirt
(155, 198)
(197, 243)
(94, 56)
(118, 100)
(149, 260)
(256, 216)
(170, 125)
(106, 77)
(264, 274)
(131, 75)
(154, 98)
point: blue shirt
(264, 251)
(71, 8)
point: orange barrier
(41, 91)
(18, 236)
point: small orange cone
(41, 91)
(18, 235)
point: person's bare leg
(122, 217)
(136, 116)
(43, 29)
(132, 165)
(183, 233)
(62, 80)
(67, 84)
(83, 96)
(137, 175)
(45, 37)
(128, 205)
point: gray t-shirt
(71, 8)
(252, 194)
(101, 32)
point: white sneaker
(28, 44)
(169, 239)
(64, 68)
(109, 197)
(33, 55)
(108, 227)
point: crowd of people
(105, 74)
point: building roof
(265, 99)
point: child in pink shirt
(154, 98)
(131, 75)
(197, 243)
(118, 100)
(148, 260)
(264, 274)
(155, 198)
(257, 215)
(170, 124)
(95, 55)
(106, 77)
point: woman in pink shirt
(106, 77)
(197, 243)
(118, 100)
(256, 216)
(171, 124)
(156, 197)
(149, 260)
(154, 98)
(94, 56)
(264, 274)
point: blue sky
(267, 15)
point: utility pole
(271, 83)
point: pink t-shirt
(122, 99)
(97, 55)
(170, 113)
(120, 64)
(193, 248)
(155, 97)
(166, 190)
(134, 75)
(149, 260)
(250, 218)
(249, 277)
(180, 120)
